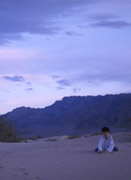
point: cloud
(71, 33)
(64, 83)
(112, 24)
(7, 91)
(7, 37)
(29, 83)
(14, 78)
(55, 77)
(60, 88)
(75, 90)
(34, 17)
(103, 76)
(107, 21)
(29, 89)
(102, 17)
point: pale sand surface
(65, 160)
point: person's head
(105, 132)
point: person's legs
(115, 149)
(96, 150)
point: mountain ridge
(71, 115)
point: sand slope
(65, 160)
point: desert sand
(72, 159)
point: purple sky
(56, 48)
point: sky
(57, 48)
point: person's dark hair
(105, 129)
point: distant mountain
(73, 115)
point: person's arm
(100, 143)
(111, 145)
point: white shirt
(106, 144)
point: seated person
(106, 142)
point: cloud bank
(112, 24)
(34, 17)
(64, 83)
(14, 78)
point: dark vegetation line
(8, 132)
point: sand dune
(73, 159)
